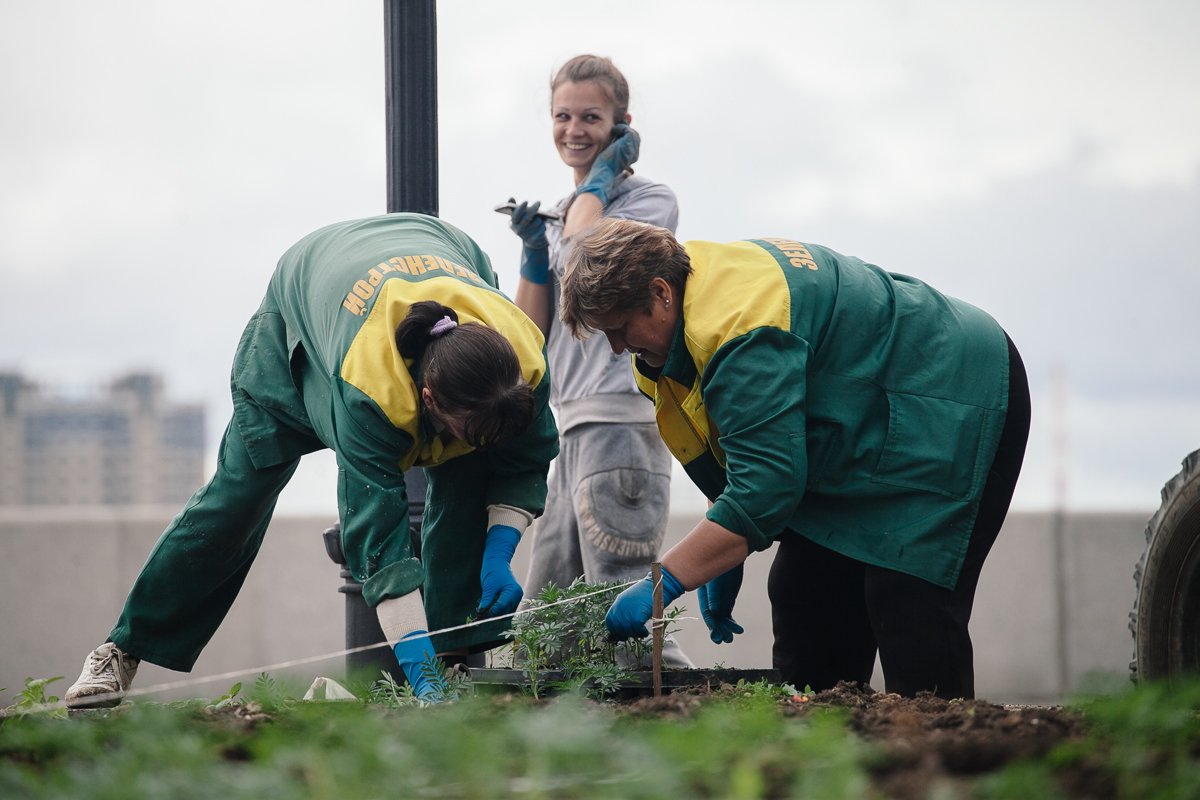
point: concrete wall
(1046, 616)
(64, 575)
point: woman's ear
(661, 290)
(628, 118)
(427, 397)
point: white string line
(95, 700)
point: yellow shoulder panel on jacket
(374, 366)
(734, 289)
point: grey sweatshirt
(588, 382)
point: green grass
(738, 744)
(480, 747)
(1141, 743)
(1146, 742)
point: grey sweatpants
(606, 510)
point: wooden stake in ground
(657, 629)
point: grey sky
(1040, 159)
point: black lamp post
(410, 47)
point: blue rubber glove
(535, 254)
(716, 605)
(620, 154)
(413, 652)
(501, 592)
(629, 613)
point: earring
(667, 303)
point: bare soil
(928, 746)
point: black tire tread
(1180, 497)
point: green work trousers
(453, 534)
(197, 568)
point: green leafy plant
(386, 692)
(1149, 737)
(451, 684)
(764, 691)
(33, 699)
(270, 694)
(563, 628)
(738, 742)
(359, 750)
(229, 698)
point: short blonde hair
(611, 267)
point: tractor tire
(1165, 620)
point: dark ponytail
(472, 371)
(415, 331)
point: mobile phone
(544, 213)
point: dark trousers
(831, 613)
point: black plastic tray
(639, 682)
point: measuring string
(297, 662)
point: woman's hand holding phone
(612, 162)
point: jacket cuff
(394, 580)
(729, 515)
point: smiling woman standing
(606, 512)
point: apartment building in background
(124, 445)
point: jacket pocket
(932, 445)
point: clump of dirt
(242, 716)
(926, 745)
(679, 703)
(926, 741)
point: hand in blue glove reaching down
(629, 613)
(417, 658)
(501, 592)
(620, 154)
(535, 254)
(716, 605)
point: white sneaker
(106, 676)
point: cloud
(1039, 159)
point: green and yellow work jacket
(320, 359)
(810, 391)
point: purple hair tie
(441, 326)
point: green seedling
(451, 685)
(270, 695)
(386, 692)
(33, 699)
(229, 698)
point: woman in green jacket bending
(871, 426)
(386, 340)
